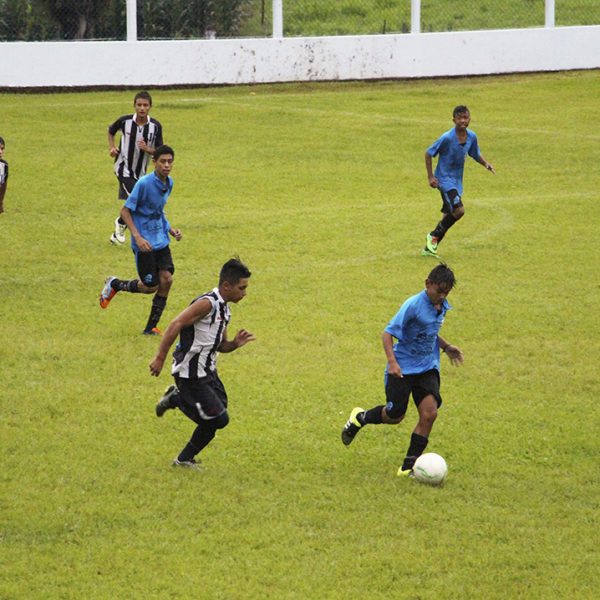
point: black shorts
(150, 263)
(201, 399)
(125, 186)
(451, 200)
(399, 389)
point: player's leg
(204, 401)
(166, 269)
(147, 284)
(453, 210)
(397, 391)
(126, 184)
(426, 395)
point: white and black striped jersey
(131, 161)
(3, 171)
(196, 353)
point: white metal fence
(53, 20)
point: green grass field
(321, 189)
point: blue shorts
(150, 263)
(399, 389)
(451, 200)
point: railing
(44, 20)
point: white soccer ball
(430, 468)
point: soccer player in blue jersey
(413, 365)
(452, 148)
(202, 329)
(145, 217)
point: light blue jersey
(146, 203)
(416, 326)
(451, 161)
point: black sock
(202, 436)
(125, 285)
(418, 443)
(121, 222)
(158, 305)
(371, 416)
(442, 227)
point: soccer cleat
(164, 404)
(352, 427)
(431, 244)
(406, 473)
(426, 252)
(107, 293)
(119, 235)
(153, 331)
(186, 464)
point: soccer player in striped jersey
(202, 329)
(3, 175)
(140, 135)
(452, 147)
(150, 230)
(413, 365)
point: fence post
(132, 20)
(277, 18)
(415, 16)
(550, 12)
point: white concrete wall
(200, 62)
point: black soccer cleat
(352, 427)
(165, 403)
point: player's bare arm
(388, 347)
(486, 164)
(454, 353)
(112, 149)
(194, 312)
(242, 337)
(433, 182)
(141, 242)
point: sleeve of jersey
(434, 149)
(159, 136)
(136, 193)
(474, 151)
(396, 325)
(116, 126)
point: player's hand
(156, 366)
(242, 337)
(490, 168)
(113, 152)
(176, 233)
(394, 370)
(433, 181)
(143, 146)
(143, 244)
(455, 355)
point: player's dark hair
(144, 96)
(460, 109)
(442, 274)
(164, 149)
(2, 141)
(233, 270)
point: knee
(459, 212)
(221, 421)
(166, 280)
(391, 417)
(147, 289)
(429, 416)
